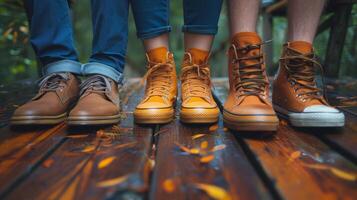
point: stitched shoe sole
(250, 122)
(38, 120)
(153, 116)
(312, 119)
(199, 115)
(93, 120)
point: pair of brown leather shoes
(98, 102)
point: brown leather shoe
(157, 106)
(295, 92)
(98, 103)
(248, 107)
(198, 105)
(57, 93)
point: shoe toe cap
(321, 109)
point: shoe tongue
(158, 55)
(301, 46)
(249, 100)
(198, 56)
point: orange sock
(244, 38)
(158, 55)
(301, 46)
(199, 56)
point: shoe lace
(53, 82)
(196, 80)
(158, 79)
(250, 79)
(95, 84)
(301, 74)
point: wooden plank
(75, 172)
(302, 166)
(176, 172)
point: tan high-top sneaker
(57, 93)
(295, 92)
(157, 106)
(198, 105)
(248, 107)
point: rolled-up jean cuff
(62, 66)
(102, 69)
(147, 34)
(200, 29)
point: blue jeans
(52, 33)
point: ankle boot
(248, 107)
(295, 92)
(57, 93)
(157, 106)
(98, 103)
(198, 105)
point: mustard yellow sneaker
(198, 105)
(157, 106)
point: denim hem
(102, 69)
(62, 66)
(154, 32)
(200, 29)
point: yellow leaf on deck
(213, 191)
(169, 185)
(198, 136)
(204, 145)
(113, 182)
(294, 155)
(194, 151)
(105, 162)
(343, 174)
(219, 147)
(88, 148)
(188, 150)
(214, 127)
(207, 159)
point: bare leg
(156, 42)
(304, 16)
(243, 15)
(198, 41)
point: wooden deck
(176, 161)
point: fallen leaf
(198, 136)
(194, 151)
(169, 185)
(213, 191)
(76, 136)
(112, 182)
(105, 162)
(225, 129)
(219, 147)
(207, 159)
(188, 150)
(294, 155)
(204, 145)
(343, 174)
(214, 127)
(47, 163)
(88, 148)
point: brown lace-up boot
(98, 103)
(57, 93)
(248, 107)
(157, 106)
(295, 92)
(198, 105)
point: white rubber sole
(312, 119)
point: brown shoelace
(53, 82)
(250, 78)
(95, 84)
(158, 79)
(196, 80)
(301, 69)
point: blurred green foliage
(19, 62)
